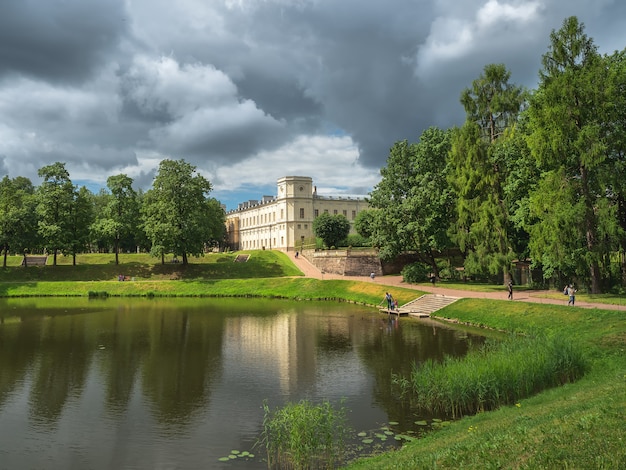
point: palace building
(284, 221)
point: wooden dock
(422, 306)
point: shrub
(416, 272)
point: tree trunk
(185, 261)
(117, 250)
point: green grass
(497, 374)
(100, 267)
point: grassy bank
(579, 425)
(265, 274)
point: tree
(120, 213)
(17, 217)
(331, 228)
(567, 122)
(364, 222)
(80, 218)
(217, 223)
(479, 172)
(55, 197)
(413, 202)
(177, 216)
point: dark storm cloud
(58, 39)
(316, 87)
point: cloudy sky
(252, 90)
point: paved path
(310, 270)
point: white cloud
(453, 36)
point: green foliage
(304, 435)
(177, 216)
(55, 198)
(481, 162)
(416, 272)
(331, 228)
(413, 203)
(17, 216)
(499, 373)
(571, 122)
(364, 223)
(355, 240)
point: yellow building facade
(284, 221)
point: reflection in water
(180, 382)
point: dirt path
(396, 281)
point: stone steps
(423, 306)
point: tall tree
(55, 196)
(120, 214)
(566, 120)
(479, 173)
(414, 202)
(17, 217)
(176, 211)
(80, 218)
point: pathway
(310, 270)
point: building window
(325, 211)
(302, 212)
(353, 215)
(335, 212)
(306, 226)
(299, 226)
(345, 213)
(316, 212)
(282, 214)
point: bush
(416, 272)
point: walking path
(536, 296)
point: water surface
(179, 383)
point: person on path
(372, 275)
(571, 292)
(510, 287)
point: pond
(180, 383)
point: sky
(249, 91)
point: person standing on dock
(389, 299)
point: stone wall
(345, 262)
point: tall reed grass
(496, 374)
(304, 435)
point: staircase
(423, 306)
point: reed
(496, 374)
(304, 435)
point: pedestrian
(571, 292)
(510, 287)
(433, 278)
(297, 254)
(372, 275)
(389, 300)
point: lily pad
(367, 441)
(362, 434)
(421, 423)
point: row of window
(269, 218)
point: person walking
(510, 287)
(571, 292)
